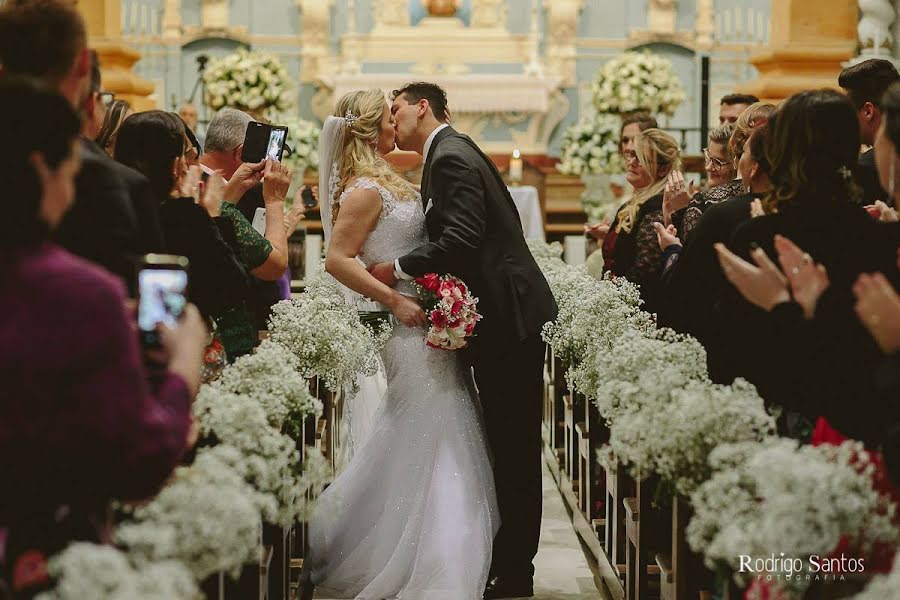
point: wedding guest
(46, 39)
(265, 257)
(155, 142)
(692, 279)
(732, 105)
(81, 422)
(632, 125)
(754, 116)
(117, 112)
(631, 249)
(865, 84)
(816, 368)
(145, 207)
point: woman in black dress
(631, 249)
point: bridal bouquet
(451, 310)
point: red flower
(430, 281)
(446, 288)
(457, 306)
(438, 318)
(470, 327)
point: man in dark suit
(46, 39)
(475, 234)
(865, 84)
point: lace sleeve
(252, 249)
(692, 214)
(648, 257)
(387, 198)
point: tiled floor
(562, 573)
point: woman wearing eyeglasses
(631, 249)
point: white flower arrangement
(591, 146)
(883, 586)
(303, 138)
(266, 459)
(637, 81)
(641, 370)
(206, 518)
(674, 439)
(542, 251)
(802, 501)
(326, 335)
(250, 81)
(98, 572)
(270, 377)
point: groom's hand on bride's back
(384, 272)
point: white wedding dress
(413, 515)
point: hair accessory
(350, 119)
(845, 172)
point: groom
(475, 234)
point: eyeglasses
(106, 98)
(715, 163)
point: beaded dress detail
(414, 513)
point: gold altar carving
(810, 39)
(103, 19)
(441, 8)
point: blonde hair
(659, 155)
(359, 158)
(753, 116)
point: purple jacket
(80, 420)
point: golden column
(809, 40)
(104, 25)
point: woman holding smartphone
(81, 421)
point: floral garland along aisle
(247, 470)
(713, 444)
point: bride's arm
(356, 218)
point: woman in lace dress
(631, 249)
(414, 513)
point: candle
(515, 166)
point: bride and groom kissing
(443, 499)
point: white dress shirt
(398, 272)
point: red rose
(430, 281)
(457, 306)
(470, 327)
(438, 318)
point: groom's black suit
(475, 234)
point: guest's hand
(878, 307)
(384, 272)
(189, 185)
(676, 195)
(598, 231)
(883, 212)
(293, 217)
(185, 344)
(756, 208)
(245, 178)
(666, 236)
(408, 311)
(762, 285)
(808, 280)
(212, 193)
(276, 181)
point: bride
(414, 513)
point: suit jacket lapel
(426, 169)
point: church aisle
(562, 572)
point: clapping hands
(878, 307)
(676, 196)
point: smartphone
(308, 200)
(259, 220)
(162, 294)
(263, 141)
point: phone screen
(276, 143)
(162, 299)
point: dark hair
(51, 135)
(890, 105)
(95, 72)
(757, 145)
(643, 120)
(113, 121)
(41, 38)
(747, 99)
(868, 81)
(813, 148)
(189, 134)
(149, 142)
(422, 90)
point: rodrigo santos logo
(813, 568)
